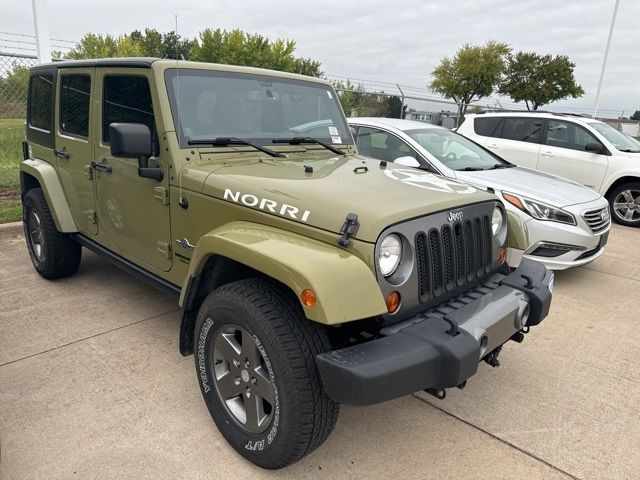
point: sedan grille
(452, 256)
(598, 220)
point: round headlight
(389, 254)
(496, 221)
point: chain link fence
(359, 98)
(14, 70)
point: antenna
(181, 200)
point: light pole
(606, 55)
(41, 23)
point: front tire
(625, 204)
(53, 254)
(255, 361)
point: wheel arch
(242, 249)
(38, 174)
(620, 181)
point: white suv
(581, 149)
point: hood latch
(349, 229)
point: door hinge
(164, 249)
(88, 172)
(161, 194)
(93, 218)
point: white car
(566, 224)
(579, 148)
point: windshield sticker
(267, 205)
(333, 130)
(428, 181)
(336, 139)
(329, 94)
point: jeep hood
(322, 191)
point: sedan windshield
(618, 139)
(209, 105)
(455, 151)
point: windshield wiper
(472, 169)
(501, 165)
(227, 141)
(300, 140)
(630, 150)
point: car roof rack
(561, 114)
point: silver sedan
(566, 224)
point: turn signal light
(308, 297)
(513, 200)
(393, 302)
(502, 254)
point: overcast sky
(392, 41)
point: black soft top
(140, 62)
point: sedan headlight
(539, 210)
(389, 254)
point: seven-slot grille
(452, 256)
(598, 220)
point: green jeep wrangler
(308, 276)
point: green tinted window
(74, 104)
(40, 101)
(127, 99)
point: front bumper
(440, 348)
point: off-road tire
(304, 416)
(631, 186)
(60, 254)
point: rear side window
(127, 99)
(487, 126)
(41, 102)
(75, 93)
(522, 129)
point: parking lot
(92, 386)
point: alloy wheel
(626, 205)
(243, 382)
(36, 234)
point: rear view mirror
(407, 161)
(133, 140)
(594, 147)
(130, 140)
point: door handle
(101, 167)
(547, 154)
(61, 153)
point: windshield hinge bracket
(349, 229)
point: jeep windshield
(618, 139)
(209, 104)
(455, 151)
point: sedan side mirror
(133, 140)
(407, 161)
(594, 147)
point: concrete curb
(13, 227)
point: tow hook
(492, 358)
(518, 337)
(439, 393)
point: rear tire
(53, 254)
(624, 201)
(272, 361)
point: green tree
(539, 79)
(163, 45)
(236, 47)
(102, 46)
(636, 115)
(473, 73)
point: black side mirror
(133, 140)
(130, 140)
(594, 147)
